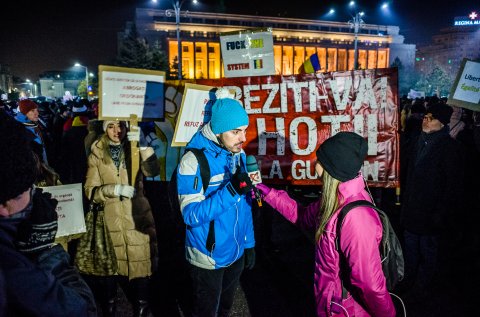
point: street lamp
(177, 6)
(31, 90)
(356, 23)
(86, 74)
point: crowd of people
(62, 142)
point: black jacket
(433, 184)
(41, 285)
(73, 166)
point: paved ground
(280, 285)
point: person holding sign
(36, 278)
(109, 168)
(219, 240)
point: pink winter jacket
(359, 241)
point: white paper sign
(195, 111)
(125, 91)
(71, 218)
(248, 53)
(412, 94)
(468, 87)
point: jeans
(214, 290)
(421, 255)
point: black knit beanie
(342, 155)
(17, 163)
(441, 112)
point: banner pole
(135, 154)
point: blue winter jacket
(30, 126)
(232, 213)
(36, 137)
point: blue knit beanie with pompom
(227, 113)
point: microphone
(255, 176)
(253, 171)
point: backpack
(390, 248)
(173, 194)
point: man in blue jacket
(36, 278)
(222, 214)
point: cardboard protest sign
(69, 209)
(247, 53)
(465, 91)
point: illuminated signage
(472, 19)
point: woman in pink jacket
(339, 160)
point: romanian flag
(311, 65)
(257, 63)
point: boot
(140, 308)
(109, 309)
(109, 298)
(139, 287)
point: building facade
(294, 41)
(6, 79)
(54, 84)
(451, 46)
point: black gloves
(249, 258)
(241, 182)
(38, 231)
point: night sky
(38, 36)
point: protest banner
(291, 116)
(247, 53)
(69, 209)
(465, 91)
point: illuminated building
(447, 50)
(55, 83)
(294, 41)
(6, 79)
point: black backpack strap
(204, 167)
(205, 175)
(341, 216)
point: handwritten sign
(195, 111)
(126, 91)
(69, 209)
(248, 53)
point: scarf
(115, 152)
